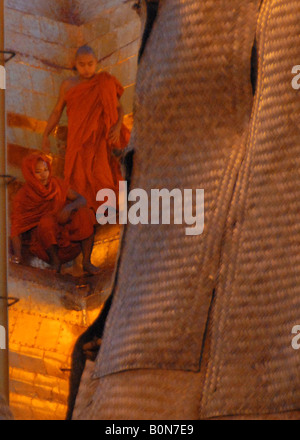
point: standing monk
(95, 128)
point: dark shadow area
(254, 67)
(152, 9)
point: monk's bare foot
(55, 265)
(55, 268)
(91, 269)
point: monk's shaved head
(85, 50)
(86, 62)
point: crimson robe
(92, 109)
(35, 209)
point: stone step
(73, 283)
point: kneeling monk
(61, 226)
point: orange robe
(35, 209)
(92, 109)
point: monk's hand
(64, 216)
(46, 147)
(114, 134)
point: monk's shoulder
(104, 76)
(68, 84)
(110, 81)
(61, 183)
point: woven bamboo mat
(252, 366)
(139, 395)
(196, 126)
(193, 105)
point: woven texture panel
(193, 106)
(196, 126)
(139, 395)
(252, 364)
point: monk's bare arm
(77, 202)
(121, 115)
(55, 117)
(17, 248)
(114, 134)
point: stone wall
(42, 333)
(44, 35)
